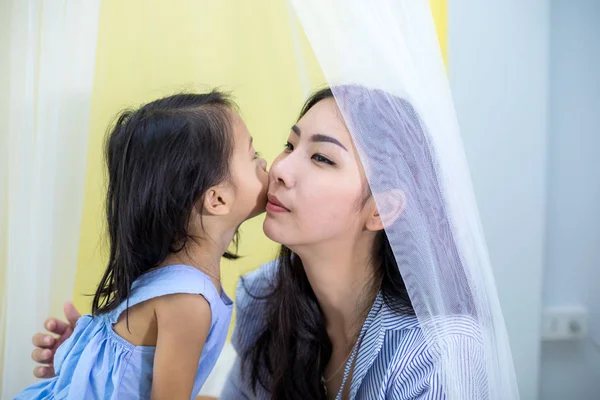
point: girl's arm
(183, 322)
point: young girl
(183, 175)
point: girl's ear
(218, 200)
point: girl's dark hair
(290, 354)
(161, 159)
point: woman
(331, 318)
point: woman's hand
(46, 345)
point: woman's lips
(274, 205)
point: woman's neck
(344, 283)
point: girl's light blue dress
(96, 363)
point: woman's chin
(273, 230)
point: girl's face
(248, 172)
(316, 183)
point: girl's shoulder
(171, 280)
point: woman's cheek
(329, 213)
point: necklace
(355, 346)
(327, 380)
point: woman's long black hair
(161, 159)
(290, 354)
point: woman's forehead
(325, 118)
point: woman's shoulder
(434, 336)
(255, 286)
(420, 351)
(253, 290)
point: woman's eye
(257, 154)
(288, 146)
(322, 159)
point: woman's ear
(386, 209)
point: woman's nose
(281, 172)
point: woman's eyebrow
(319, 137)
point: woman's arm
(183, 324)
(249, 322)
(237, 386)
(46, 345)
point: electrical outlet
(564, 323)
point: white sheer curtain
(49, 58)
(385, 67)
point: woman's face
(316, 184)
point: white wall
(498, 65)
(572, 276)
(5, 12)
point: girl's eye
(257, 154)
(288, 146)
(322, 159)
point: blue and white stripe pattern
(393, 361)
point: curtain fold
(50, 63)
